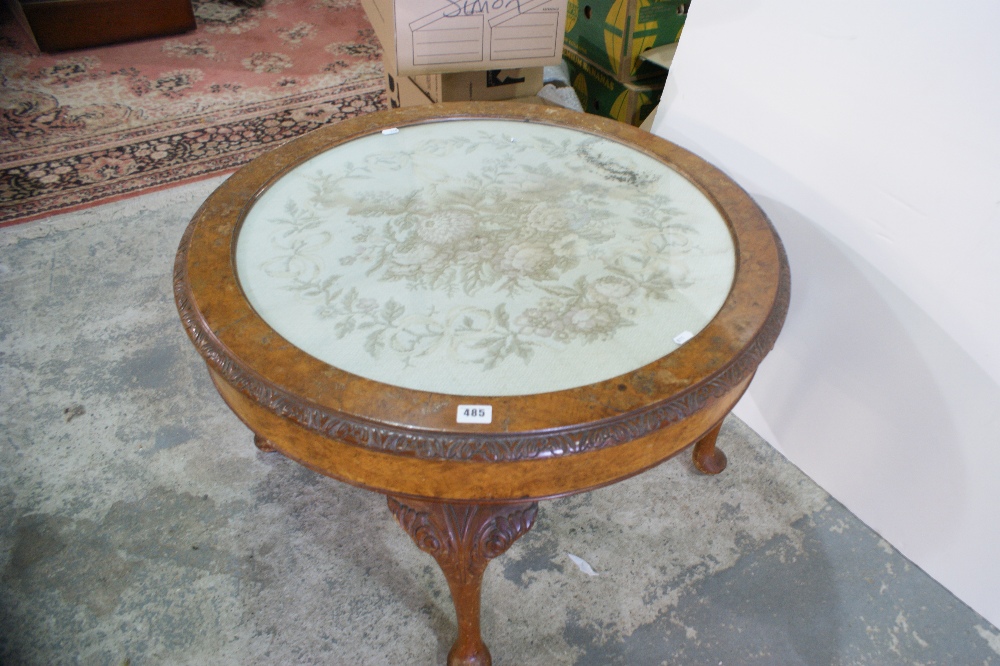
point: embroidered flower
(548, 218)
(540, 321)
(445, 228)
(527, 261)
(599, 319)
(612, 287)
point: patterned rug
(94, 125)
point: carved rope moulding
(509, 448)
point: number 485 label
(474, 414)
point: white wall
(870, 134)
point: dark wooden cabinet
(60, 25)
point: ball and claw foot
(470, 655)
(707, 458)
(263, 444)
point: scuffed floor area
(139, 524)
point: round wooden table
(470, 308)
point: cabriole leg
(707, 458)
(463, 538)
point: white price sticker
(474, 414)
(681, 338)
(392, 130)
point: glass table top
(485, 258)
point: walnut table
(469, 308)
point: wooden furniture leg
(707, 458)
(463, 538)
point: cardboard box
(437, 36)
(468, 86)
(490, 86)
(486, 86)
(612, 33)
(403, 92)
(602, 94)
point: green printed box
(612, 33)
(601, 94)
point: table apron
(475, 481)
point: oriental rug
(95, 125)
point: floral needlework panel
(485, 258)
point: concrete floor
(139, 525)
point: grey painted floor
(139, 525)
